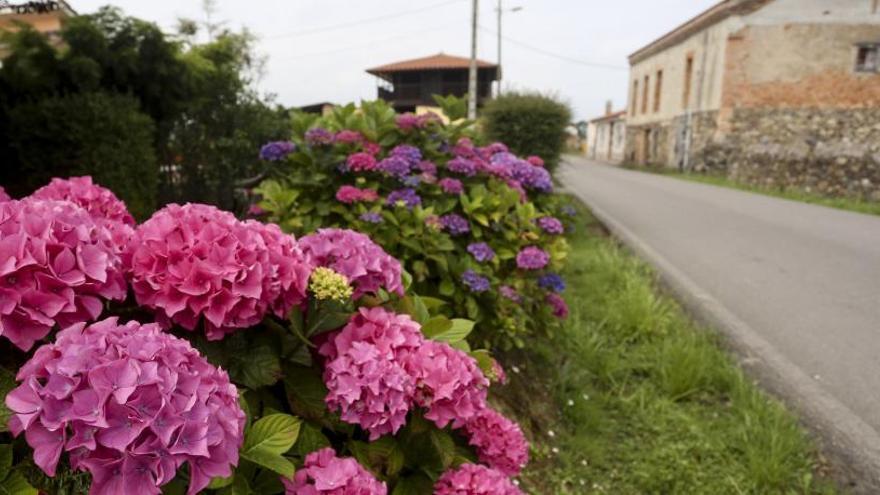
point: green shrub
(496, 211)
(98, 134)
(529, 123)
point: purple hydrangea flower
(462, 166)
(475, 281)
(551, 225)
(510, 293)
(276, 150)
(319, 137)
(481, 251)
(557, 305)
(455, 224)
(451, 186)
(347, 136)
(371, 217)
(396, 166)
(569, 210)
(409, 153)
(407, 195)
(532, 258)
(552, 281)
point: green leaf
(16, 484)
(7, 383)
(267, 483)
(239, 486)
(484, 361)
(269, 438)
(447, 288)
(260, 367)
(274, 433)
(417, 484)
(457, 331)
(436, 326)
(218, 483)
(5, 460)
(310, 439)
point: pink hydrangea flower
(57, 265)
(371, 148)
(3, 195)
(366, 371)
(361, 162)
(130, 404)
(99, 201)
(449, 384)
(499, 442)
(558, 305)
(532, 258)
(350, 194)
(197, 263)
(348, 136)
(356, 256)
(535, 160)
(325, 473)
(472, 479)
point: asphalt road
(795, 286)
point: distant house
(411, 83)
(44, 16)
(320, 108)
(606, 136)
(776, 92)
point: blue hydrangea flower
(474, 281)
(455, 224)
(551, 281)
(481, 251)
(371, 217)
(276, 150)
(408, 196)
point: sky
(318, 50)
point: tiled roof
(611, 116)
(433, 62)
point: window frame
(861, 65)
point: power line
(565, 58)
(333, 27)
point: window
(635, 97)
(688, 77)
(658, 90)
(645, 94)
(868, 57)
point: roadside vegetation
(793, 194)
(631, 397)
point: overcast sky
(317, 50)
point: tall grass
(631, 397)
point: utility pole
(472, 72)
(498, 76)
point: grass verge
(849, 204)
(632, 398)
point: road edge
(851, 444)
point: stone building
(781, 93)
(606, 136)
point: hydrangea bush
(200, 353)
(471, 224)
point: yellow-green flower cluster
(325, 283)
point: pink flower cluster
(99, 201)
(57, 265)
(361, 162)
(366, 371)
(348, 136)
(472, 479)
(325, 473)
(356, 256)
(130, 404)
(379, 366)
(351, 194)
(195, 262)
(3, 196)
(499, 442)
(449, 384)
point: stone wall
(829, 152)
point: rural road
(795, 288)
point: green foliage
(453, 107)
(12, 481)
(268, 439)
(99, 134)
(300, 197)
(529, 123)
(142, 113)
